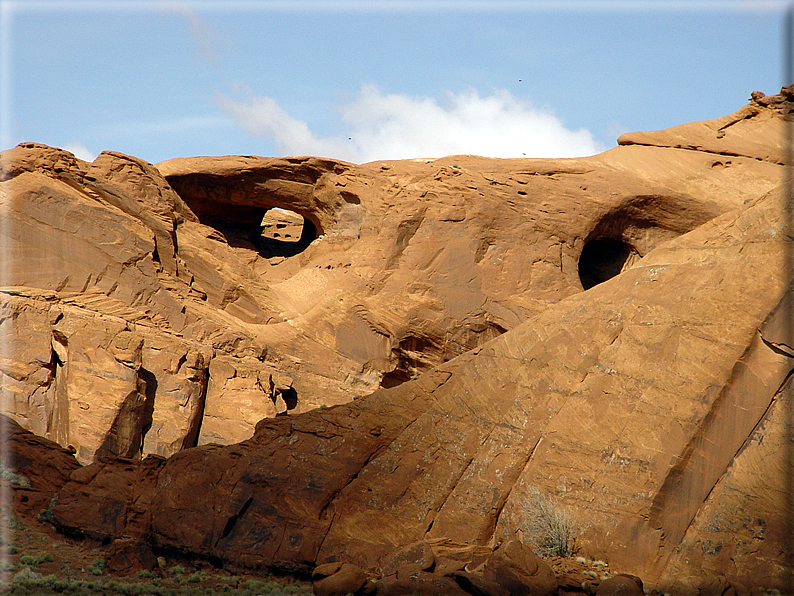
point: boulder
(476, 585)
(414, 557)
(421, 584)
(128, 555)
(346, 579)
(718, 585)
(34, 467)
(518, 570)
(109, 499)
(621, 585)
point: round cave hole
(603, 259)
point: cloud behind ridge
(399, 126)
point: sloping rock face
(640, 408)
(149, 309)
(647, 411)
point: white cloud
(399, 126)
(80, 151)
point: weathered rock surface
(647, 410)
(154, 308)
(34, 469)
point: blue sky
(374, 79)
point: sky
(368, 80)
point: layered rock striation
(602, 337)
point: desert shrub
(9, 519)
(26, 574)
(176, 569)
(96, 567)
(11, 476)
(34, 560)
(145, 573)
(550, 529)
(48, 515)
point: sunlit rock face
(604, 331)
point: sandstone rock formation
(647, 409)
(32, 469)
(153, 308)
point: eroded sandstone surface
(605, 334)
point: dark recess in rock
(602, 259)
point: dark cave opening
(602, 259)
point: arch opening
(603, 259)
(272, 232)
(283, 233)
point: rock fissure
(778, 347)
(232, 521)
(202, 378)
(778, 162)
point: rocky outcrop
(154, 308)
(632, 408)
(638, 421)
(32, 469)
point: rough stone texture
(414, 557)
(477, 586)
(399, 267)
(520, 571)
(35, 469)
(647, 409)
(348, 579)
(422, 584)
(127, 555)
(621, 585)
(120, 492)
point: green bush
(35, 560)
(96, 567)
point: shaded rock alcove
(603, 259)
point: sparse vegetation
(11, 476)
(96, 567)
(30, 583)
(35, 560)
(550, 529)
